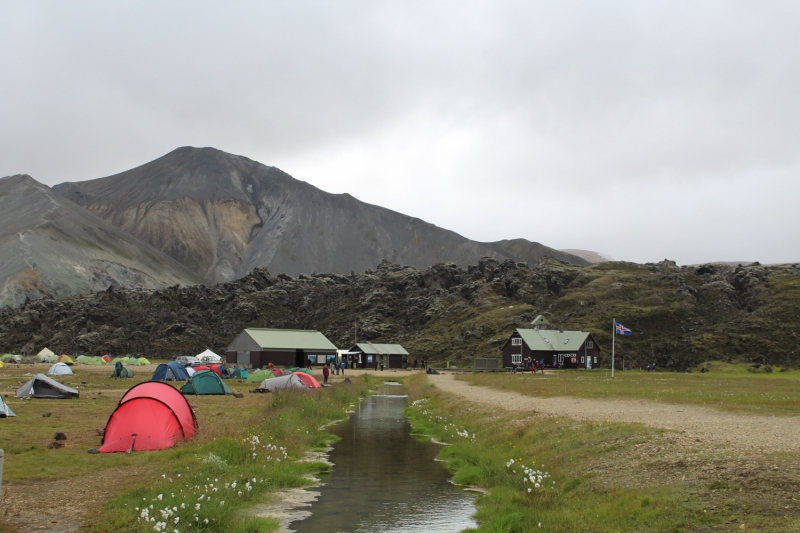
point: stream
(385, 480)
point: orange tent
(310, 381)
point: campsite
(42, 464)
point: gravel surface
(766, 433)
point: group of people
(529, 364)
(333, 367)
(420, 366)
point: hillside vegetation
(680, 316)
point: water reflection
(384, 480)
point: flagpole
(613, 338)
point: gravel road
(765, 433)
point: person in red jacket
(325, 373)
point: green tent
(52, 358)
(124, 373)
(10, 358)
(143, 361)
(205, 382)
(261, 375)
(86, 360)
(130, 361)
(241, 373)
(119, 359)
(298, 369)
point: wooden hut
(558, 348)
(369, 355)
(257, 347)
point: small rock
(93, 450)
(60, 435)
(46, 415)
(54, 445)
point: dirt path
(770, 434)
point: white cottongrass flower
(205, 521)
(197, 507)
(529, 489)
(176, 519)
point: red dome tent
(150, 416)
(170, 396)
(310, 381)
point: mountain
(592, 257)
(679, 316)
(51, 247)
(223, 215)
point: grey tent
(290, 381)
(5, 410)
(43, 387)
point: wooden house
(369, 355)
(558, 348)
(257, 347)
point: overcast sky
(641, 130)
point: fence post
(1, 474)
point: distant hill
(592, 257)
(51, 247)
(223, 215)
(679, 316)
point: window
(589, 344)
(516, 341)
(516, 359)
(561, 358)
(566, 341)
(595, 360)
(582, 361)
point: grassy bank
(580, 476)
(726, 387)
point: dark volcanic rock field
(680, 316)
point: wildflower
(205, 521)
(529, 489)
(176, 520)
(197, 507)
(160, 497)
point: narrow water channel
(385, 480)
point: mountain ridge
(223, 215)
(50, 246)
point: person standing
(325, 373)
(343, 366)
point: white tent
(59, 369)
(5, 410)
(45, 352)
(189, 370)
(209, 357)
(290, 381)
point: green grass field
(601, 477)
(258, 437)
(726, 387)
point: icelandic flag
(622, 330)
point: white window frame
(516, 358)
(595, 360)
(582, 360)
(561, 358)
(516, 341)
(589, 345)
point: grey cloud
(596, 118)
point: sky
(641, 130)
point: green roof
(385, 349)
(540, 321)
(290, 339)
(552, 340)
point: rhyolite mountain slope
(223, 215)
(51, 247)
(592, 257)
(679, 316)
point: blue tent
(170, 371)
